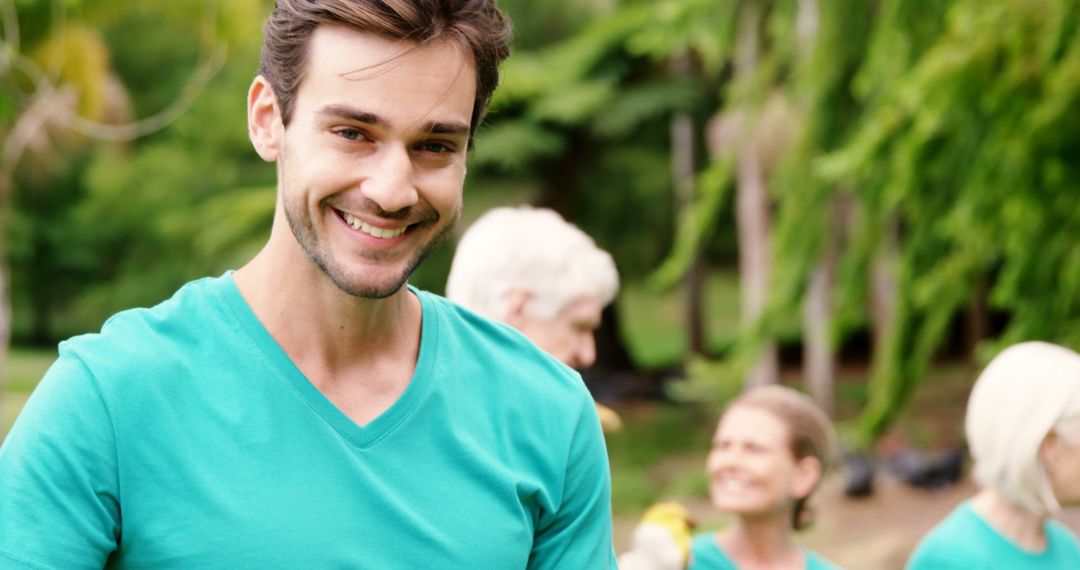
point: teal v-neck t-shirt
(706, 554)
(183, 436)
(964, 540)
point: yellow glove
(661, 540)
(609, 420)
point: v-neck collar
(360, 436)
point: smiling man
(310, 409)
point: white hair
(530, 250)
(1026, 392)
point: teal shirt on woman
(964, 540)
(707, 555)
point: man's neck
(318, 324)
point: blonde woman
(771, 447)
(1023, 429)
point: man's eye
(350, 134)
(435, 147)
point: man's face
(569, 336)
(372, 164)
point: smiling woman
(770, 450)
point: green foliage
(100, 227)
(659, 454)
(514, 146)
(703, 29)
(699, 220)
(956, 122)
(958, 149)
(652, 322)
(588, 118)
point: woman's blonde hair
(810, 433)
(1026, 392)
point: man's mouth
(381, 233)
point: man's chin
(367, 289)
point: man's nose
(390, 182)
(586, 353)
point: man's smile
(374, 231)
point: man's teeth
(372, 230)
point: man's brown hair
(476, 25)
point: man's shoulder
(143, 336)
(477, 342)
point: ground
(875, 533)
(880, 532)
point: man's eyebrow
(448, 129)
(352, 114)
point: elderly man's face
(569, 336)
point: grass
(25, 367)
(654, 322)
(659, 453)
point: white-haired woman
(771, 447)
(1023, 430)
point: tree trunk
(819, 359)
(884, 287)
(682, 170)
(820, 355)
(752, 209)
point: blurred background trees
(791, 188)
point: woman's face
(1061, 457)
(751, 469)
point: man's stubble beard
(303, 230)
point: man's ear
(806, 477)
(515, 307)
(265, 127)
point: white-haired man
(531, 269)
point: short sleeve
(60, 502)
(578, 534)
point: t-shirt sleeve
(59, 506)
(578, 534)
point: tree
(585, 125)
(61, 97)
(972, 149)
